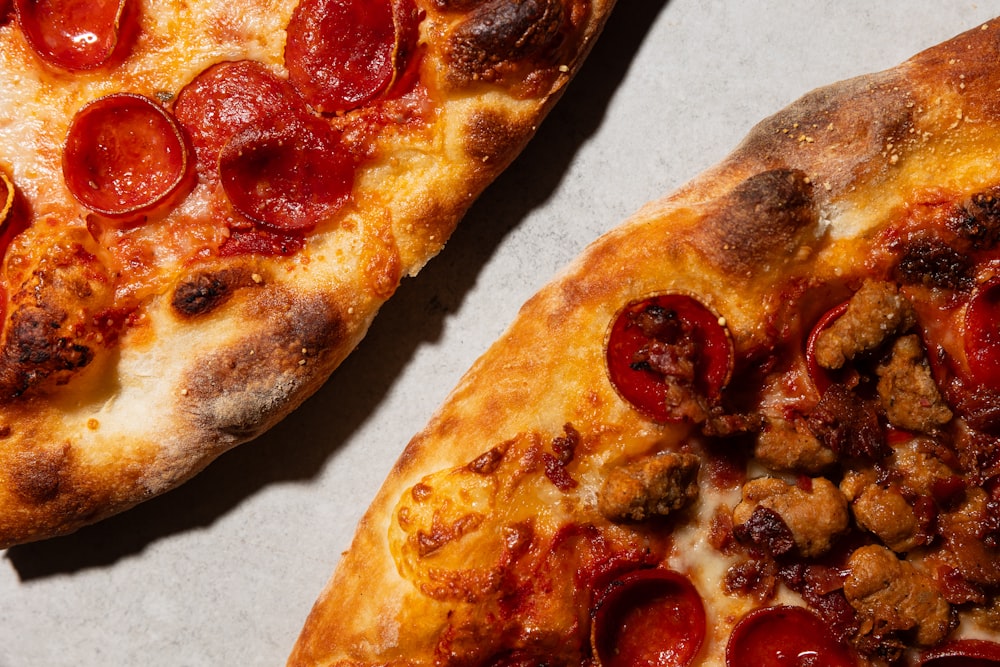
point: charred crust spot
(933, 263)
(38, 346)
(761, 220)
(53, 329)
(203, 292)
(978, 220)
(36, 476)
(243, 388)
(492, 138)
(500, 32)
(840, 131)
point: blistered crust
(104, 406)
(796, 199)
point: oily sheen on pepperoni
(125, 155)
(649, 617)
(75, 34)
(342, 54)
(226, 98)
(982, 336)
(288, 174)
(784, 637)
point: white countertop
(224, 570)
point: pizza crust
(801, 194)
(224, 348)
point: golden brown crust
(132, 356)
(792, 215)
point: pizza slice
(756, 425)
(204, 204)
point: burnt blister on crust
(54, 327)
(762, 220)
(243, 388)
(204, 291)
(36, 475)
(497, 35)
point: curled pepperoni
(963, 653)
(287, 173)
(226, 98)
(785, 636)
(76, 34)
(125, 156)
(342, 54)
(821, 377)
(648, 617)
(982, 336)
(692, 345)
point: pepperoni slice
(125, 156)
(963, 653)
(821, 377)
(74, 34)
(648, 617)
(785, 636)
(342, 54)
(226, 98)
(689, 324)
(287, 174)
(982, 336)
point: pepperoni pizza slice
(203, 204)
(756, 425)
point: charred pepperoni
(649, 617)
(785, 637)
(226, 98)
(963, 653)
(669, 356)
(125, 156)
(342, 54)
(76, 34)
(287, 174)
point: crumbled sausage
(919, 469)
(875, 312)
(907, 391)
(789, 446)
(816, 515)
(891, 596)
(649, 487)
(883, 511)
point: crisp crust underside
(860, 149)
(235, 345)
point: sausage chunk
(789, 445)
(815, 516)
(891, 596)
(882, 511)
(907, 391)
(876, 312)
(649, 487)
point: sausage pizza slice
(756, 425)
